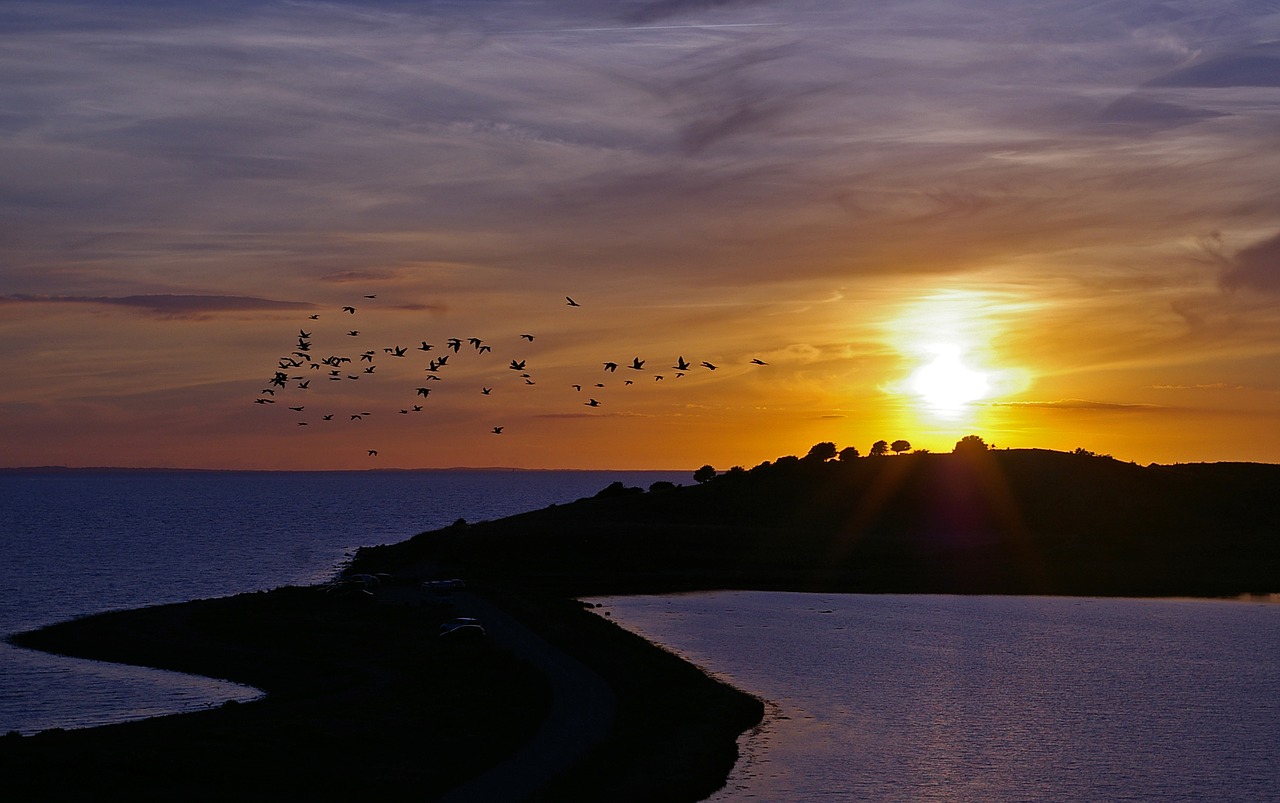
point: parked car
(461, 628)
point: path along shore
(363, 697)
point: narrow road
(582, 711)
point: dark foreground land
(363, 699)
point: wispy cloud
(1084, 405)
(176, 306)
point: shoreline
(362, 696)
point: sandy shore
(363, 697)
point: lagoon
(986, 698)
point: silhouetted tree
(848, 453)
(900, 446)
(704, 474)
(662, 485)
(879, 448)
(970, 443)
(821, 451)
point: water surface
(80, 542)
(941, 698)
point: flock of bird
(303, 365)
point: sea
(870, 697)
(79, 542)
(987, 699)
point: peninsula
(363, 696)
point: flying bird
(304, 385)
(375, 295)
(373, 452)
(454, 343)
(577, 387)
(425, 346)
(528, 337)
(423, 392)
(313, 317)
(497, 430)
(592, 403)
(637, 364)
(757, 361)
(329, 417)
(303, 335)
(611, 367)
(708, 365)
(297, 409)
(353, 333)
(398, 351)
(681, 365)
(485, 391)
(572, 303)
(349, 310)
(517, 365)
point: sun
(946, 384)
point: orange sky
(1076, 205)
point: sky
(1053, 225)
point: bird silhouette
(423, 392)
(527, 337)
(708, 365)
(517, 365)
(305, 385)
(757, 361)
(297, 409)
(303, 335)
(486, 391)
(571, 302)
(681, 365)
(637, 364)
(417, 408)
(498, 430)
(397, 352)
(577, 387)
(357, 417)
(454, 343)
(611, 367)
(353, 333)
(369, 370)
(592, 403)
(375, 295)
(328, 417)
(264, 401)
(425, 346)
(349, 310)
(313, 317)
(373, 452)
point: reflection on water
(918, 698)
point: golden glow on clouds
(1061, 236)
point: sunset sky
(1051, 224)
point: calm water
(937, 698)
(83, 542)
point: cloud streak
(176, 306)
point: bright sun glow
(946, 384)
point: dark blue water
(82, 542)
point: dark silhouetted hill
(1011, 521)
